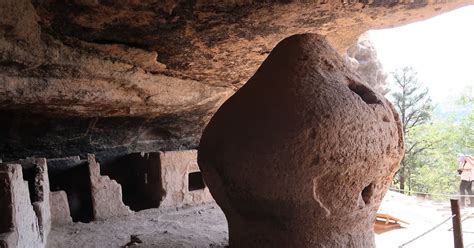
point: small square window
(195, 181)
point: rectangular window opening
(195, 181)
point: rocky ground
(205, 226)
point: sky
(440, 49)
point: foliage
(467, 130)
(433, 169)
(436, 166)
(414, 106)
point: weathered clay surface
(175, 169)
(302, 155)
(60, 214)
(115, 77)
(106, 194)
(38, 180)
(26, 219)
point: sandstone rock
(362, 58)
(303, 153)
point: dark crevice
(365, 93)
(118, 42)
(367, 193)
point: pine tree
(413, 103)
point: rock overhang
(165, 66)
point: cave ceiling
(168, 65)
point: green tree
(413, 103)
(435, 169)
(440, 140)
(467, 127)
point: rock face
(303, 153)
(117, 77)
(362, 58)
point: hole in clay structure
(195, 181)
(367, 193)
(139, 174)
(72, 176)
(367, 95)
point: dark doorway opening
(139, 174)
(195, 181)
(72, 175)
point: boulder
(303, 153)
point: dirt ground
(203, 226)
(206, 226)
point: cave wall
(34, 134)
(116, 77)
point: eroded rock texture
(303, 153)
(362, 58)
(116, 77)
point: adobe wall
(28, 208)
(60, 214)
(106, 194)
(25, 224)
(175, 169)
